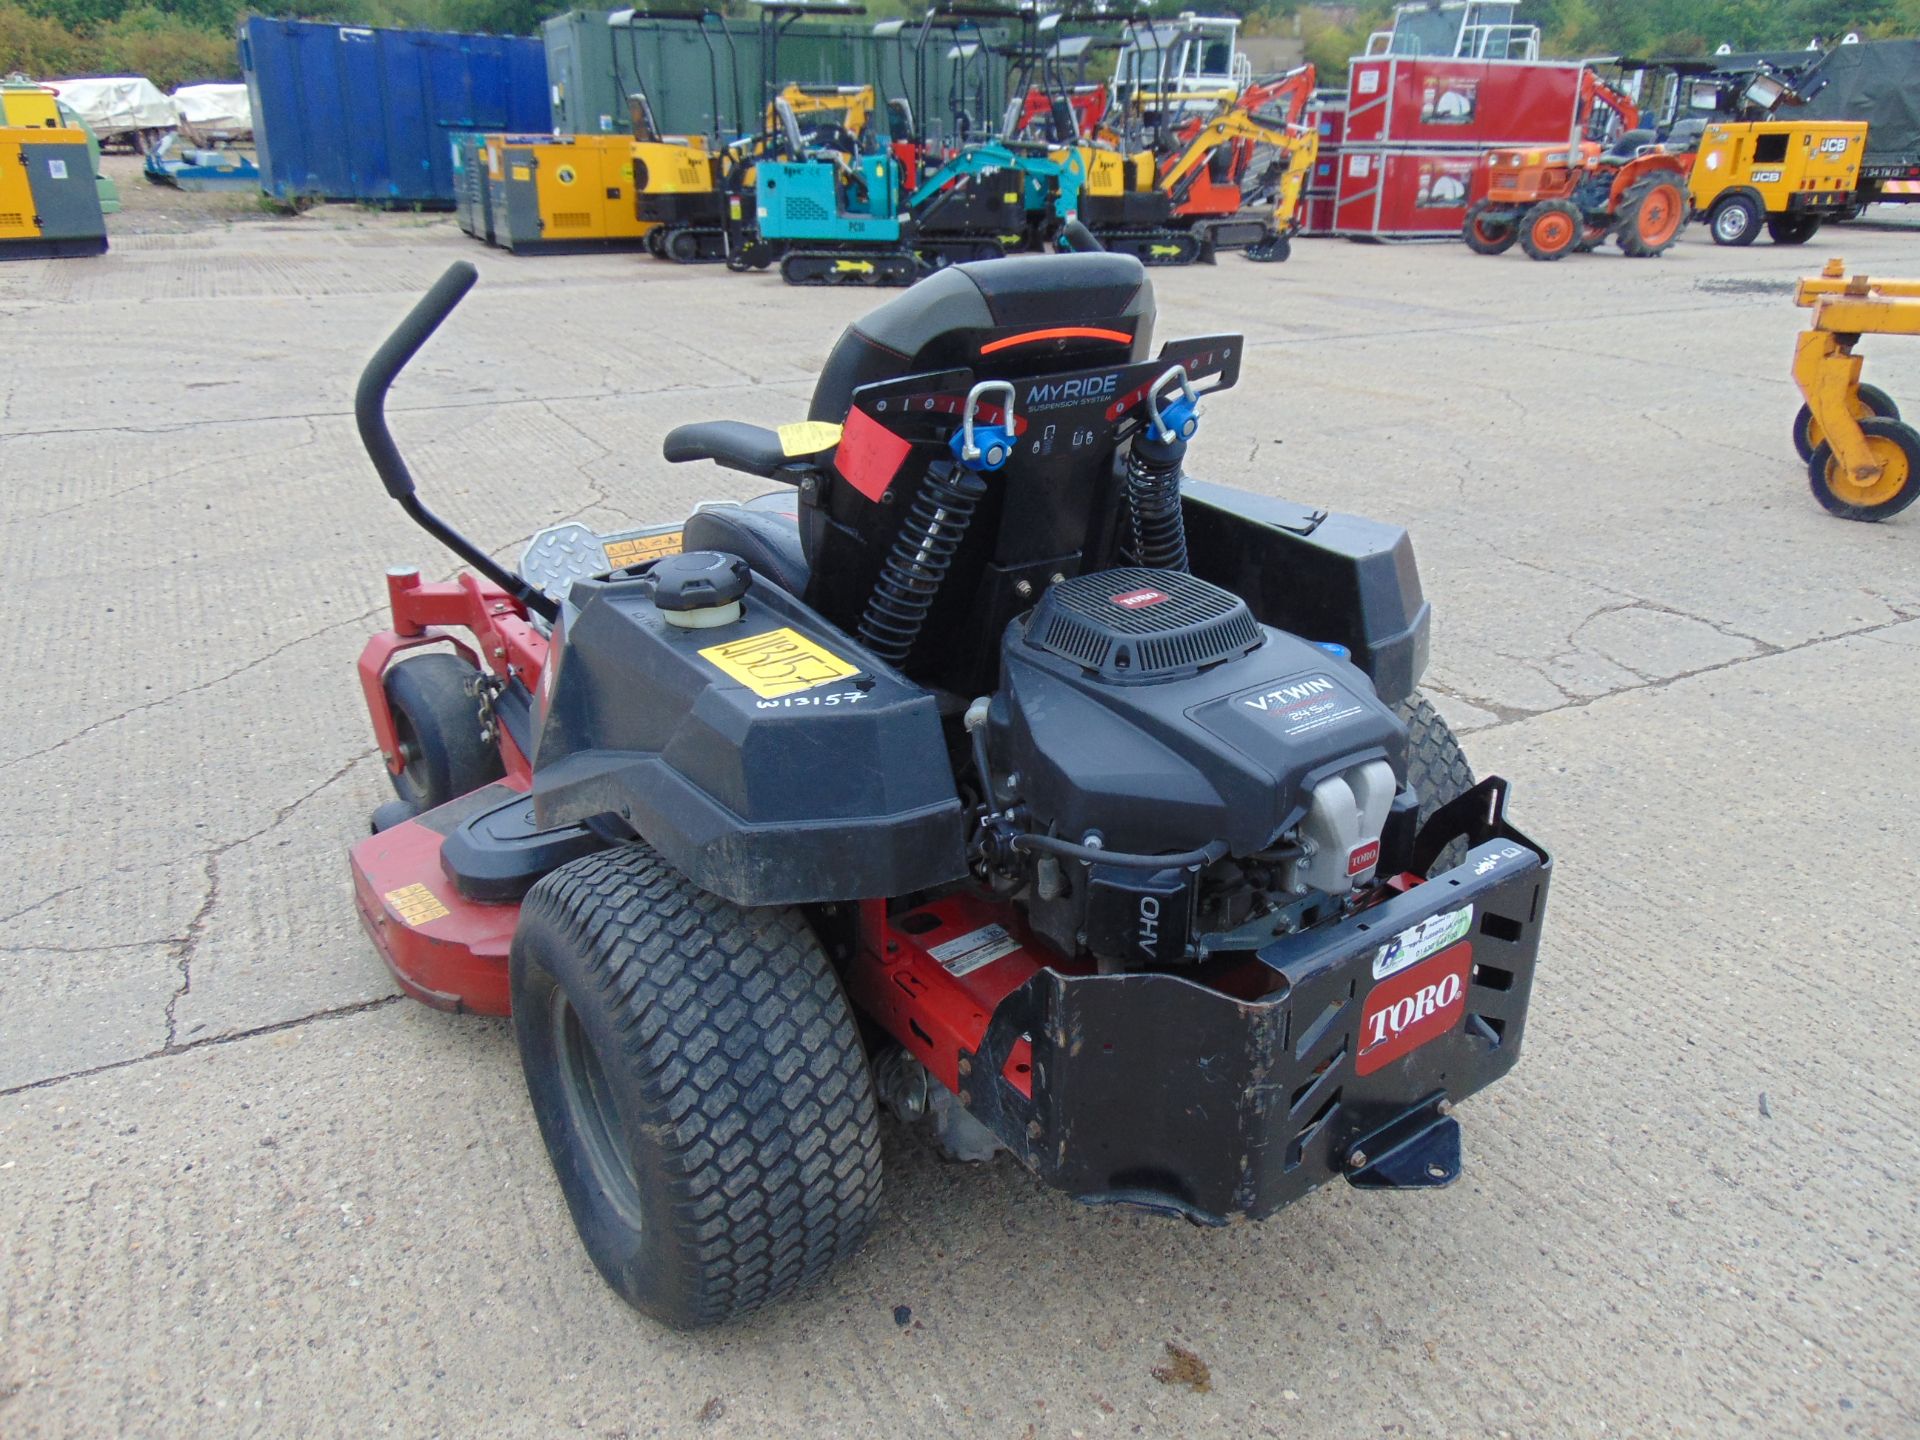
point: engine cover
(1151, 707)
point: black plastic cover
(1322, 575)
(498, 850)
(772, 761)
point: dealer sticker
(974, 949)
(778, 662)
(1417, 942)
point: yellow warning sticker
(416, 904)
(778, 662)
(523, 172)
(640, 549)
(808, 437)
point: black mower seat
(764, 532)
(1065, 312)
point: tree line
(176, 41)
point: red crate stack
(1327, 114)
(1412, 130)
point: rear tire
(1653, 212)
(1484, 236)
(1734, 220)
(1869, 400)
(1897, 447)
(1792, 229)
(700, 1084)
(436, 721)
(1551, 229)
(1436, 766)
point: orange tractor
(1554, 200)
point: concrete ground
(244, 1189)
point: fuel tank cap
(700, 589)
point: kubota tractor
(1555, 199)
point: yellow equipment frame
(1825, 366)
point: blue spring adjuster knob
(984, 447)
(1179, 417)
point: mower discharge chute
(991, 769)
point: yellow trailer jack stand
(1862, 460)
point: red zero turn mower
(992, 770)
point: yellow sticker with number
(640, 549)
(523, 172)
(416, 904)
(808, 437)
(778, 662)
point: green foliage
(171, 41)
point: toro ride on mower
(991, 770)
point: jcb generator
(1789, 174)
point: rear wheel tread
(733, 1028)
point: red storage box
(1329, 117)
(1394, 100)
(1316, 215)
(1403, 194)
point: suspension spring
(1154, 472)
(917, 563)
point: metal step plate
(562, 554)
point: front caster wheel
(436, 720)
(1896, 449)
(1868, 401)
(700, 1085)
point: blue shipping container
(341, 112)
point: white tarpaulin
(119, 104)
(214, 112)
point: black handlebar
(1079, 238)
(370, 413)
(370, 400)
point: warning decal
(974, 949)
(415, 904)
(640, 549)
(778, 662)
(870, 455)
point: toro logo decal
(1363, 858)
(1409, 1009)
(1138, 599)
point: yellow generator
(1789, 174)
(49, 205)
(562, 193)
(27, 106)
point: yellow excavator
(1218, 195)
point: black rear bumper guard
(1154, 1091)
